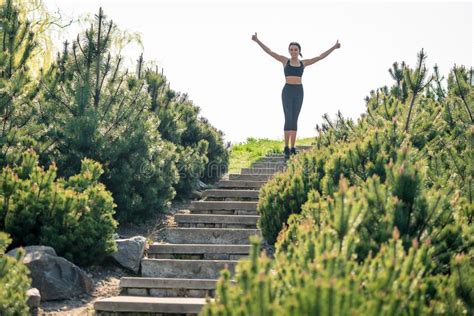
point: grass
(242, 155)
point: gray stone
(130, 252)
(34, 298)
(32, 249)
(186, 269)
(55, 277)
(144, 304)
(229, 193)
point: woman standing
(292, 94)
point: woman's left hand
(337, 45)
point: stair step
(239, 236)
(198, 251)
(303, 147)
(167, 283)
(228, 193)
(131, 304)
(271, 159)
(224, 205)
(188, 269)
(240, 184)
(225, 212)
(168, 287)
(251, 177)
(276, 165)
(216, 220)
(266, 171)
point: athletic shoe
(287, 152)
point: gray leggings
(292, 98)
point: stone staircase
(176, 276)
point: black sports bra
(292, 70)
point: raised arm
(307, 62)
(280, 58)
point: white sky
(206, 50)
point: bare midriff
(293, 80)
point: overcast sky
(206, 50)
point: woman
(292, 94)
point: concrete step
(276, 165)
(266, 171)
(168, 287)
(224, 212)
(198, 251)
(216, 220)
(251, 177)
(229, 193)
(240, 184)
(223, 205)
(138, 304)
(271, 159)
(239, 236)
(187, 269)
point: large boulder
(130, 252)
(55, 277)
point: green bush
(95, 109)
(377, 219)
(199, 146)
(25, 49)
(14, 281)
(74, 216)
(316, 271)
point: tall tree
(95, 108)
(18, 43)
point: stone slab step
(272, 159)
(266, 171)
(198, 251)
(251, 177)
(138, 304)
(223, 205)
(239, 221)
(240, 184)
(276, 165)
(188, 269)
(167, 283)
(225, 212)
(303, 147)
(229, 193)
(198, 248)
(239, 236)
(168, 287)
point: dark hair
(299, 46)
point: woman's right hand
(254, 37)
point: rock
(196, 194)
(31, 249)
(34, 298)
(130, 252)
(201, 185)
(55, 277)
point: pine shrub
(74, 216)
(14, 281)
